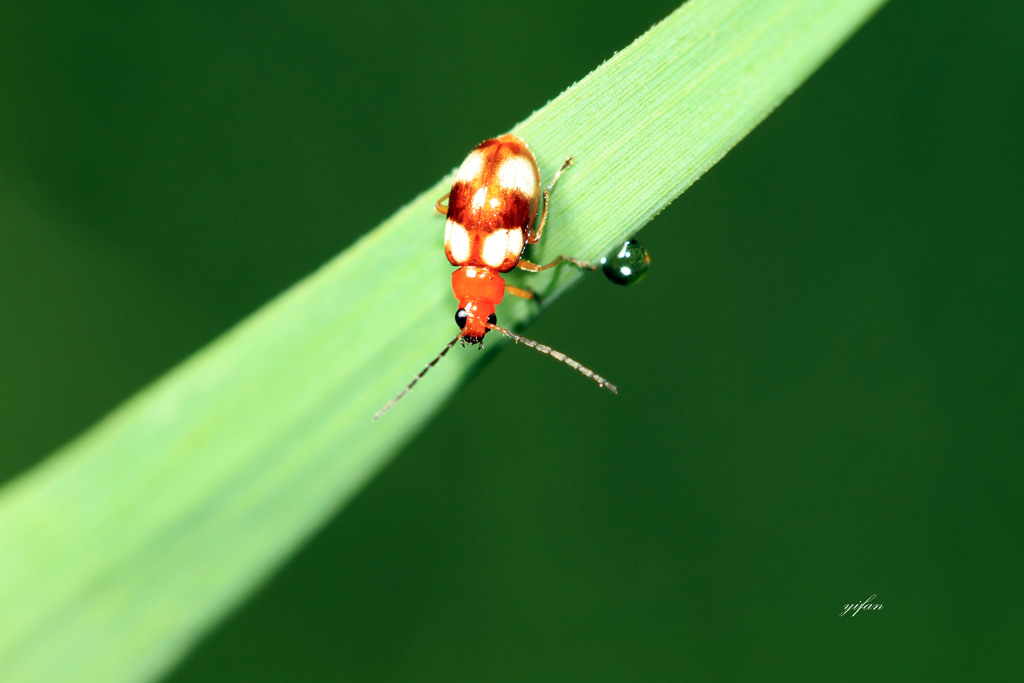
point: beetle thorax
(478, 291)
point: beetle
(489, 218)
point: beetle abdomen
(492, 205)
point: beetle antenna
(417, 378)
(557, 355)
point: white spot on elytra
(515, 241)
(471, 167)
(457, 239)
(516, 173)
(478, 198)
(496, 248)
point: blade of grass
(124, 547)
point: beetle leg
(535, 268)
(442, 208)
(521, 293)
(534, 236)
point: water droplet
(628, 264)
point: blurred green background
(821, 377)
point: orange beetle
(491, 209)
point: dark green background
(822, 387)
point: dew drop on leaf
(628, 264)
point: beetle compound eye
(492, 319)
(628, 264)
(460, 317)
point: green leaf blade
(122, 549)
